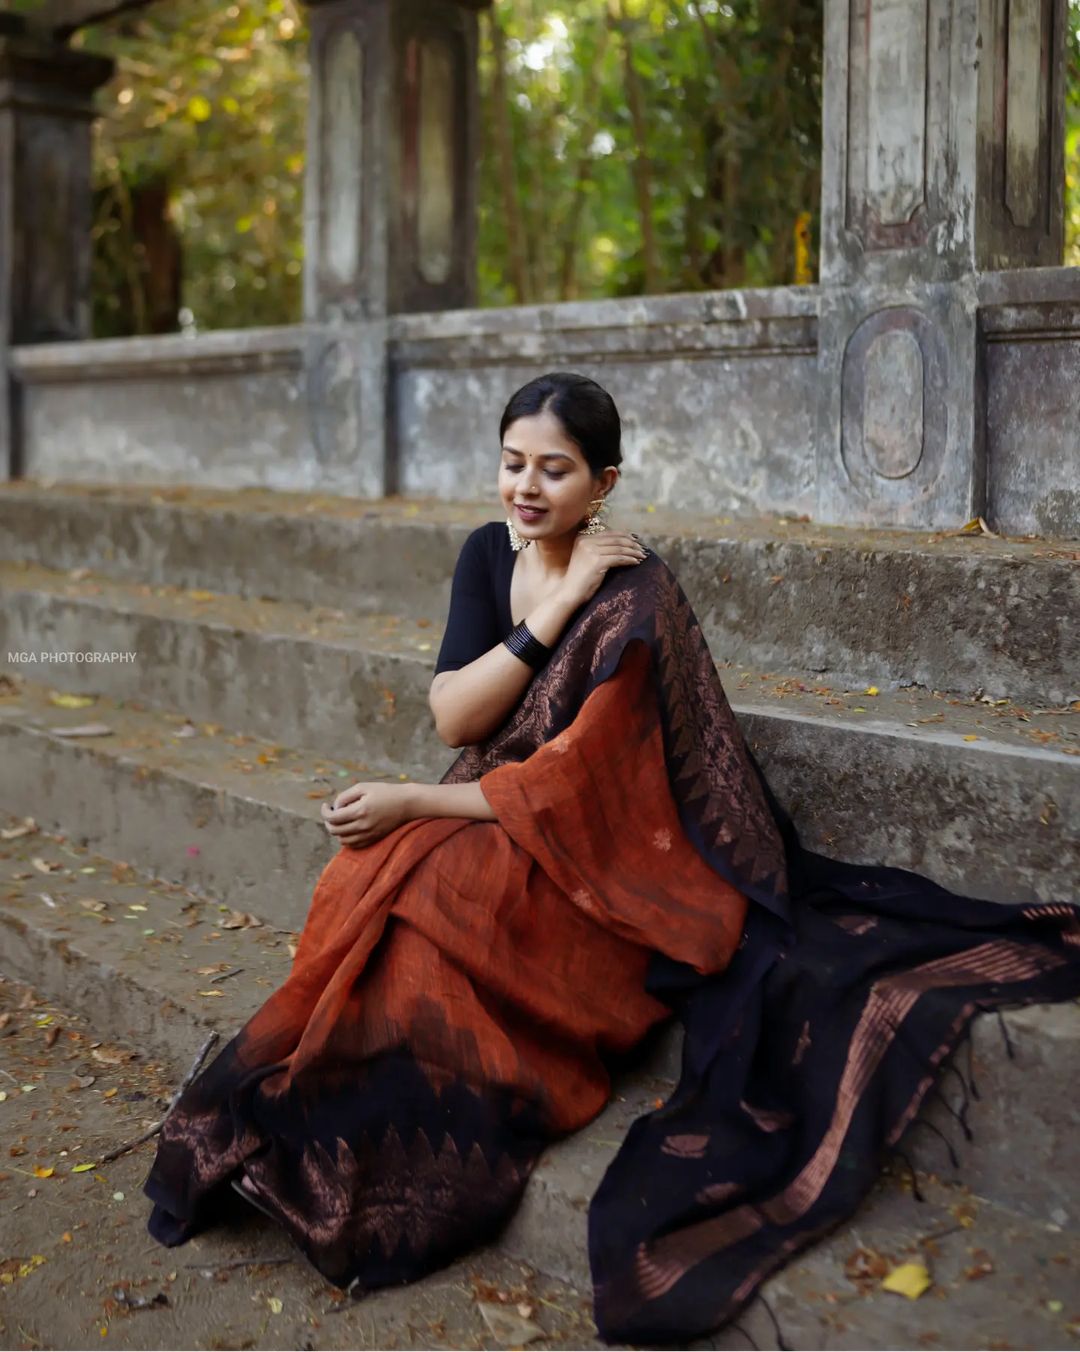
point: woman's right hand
(592, 556)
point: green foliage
(627, 146)
(728, 136)
(1072, 136)
(210, 100)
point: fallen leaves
(241, 920)
(909, 1279)
(62, 700)
(11, 1269)
(27, 828)
(976, 526)
(981, 1266)
(508, 1327)
(866, 1267)
(112, 1056)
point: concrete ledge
(231, 351)
(746, 323)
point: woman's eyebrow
(546, 455)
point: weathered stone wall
(276, 407)
(717, 391)
(1031, 327)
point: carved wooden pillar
(45, 202)
(943, 157)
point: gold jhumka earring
(595, 521)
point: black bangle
(523, 643)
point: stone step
(318, 678)
(945, 610)
(103, 965)
(228, 816)
(985, 797)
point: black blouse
(479, 597)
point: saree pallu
(460, 987)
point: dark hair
(586, 411)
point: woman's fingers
(350, 795)
(338, 815)
(344, 827)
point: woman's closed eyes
(550, 473)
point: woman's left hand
(364, 813)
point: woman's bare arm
(448, 800)
(470, 703)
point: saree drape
(460, 988)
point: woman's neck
(551, 558)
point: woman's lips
(530, 513)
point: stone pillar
(390, 204)
(46, 109)
(943, 157)
(392, 151)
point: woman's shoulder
(483, 555)
(486, 535)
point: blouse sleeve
(471, 626)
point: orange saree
(454, 989)
(459, 984)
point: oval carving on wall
(893, 404)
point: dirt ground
(79, 1269)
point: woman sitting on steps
(603, 852)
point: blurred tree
(662, 145)
(1072, 137)
(628, 146)
(200, 153)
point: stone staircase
(914, 699)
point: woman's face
(539, 464)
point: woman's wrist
(547, 620)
